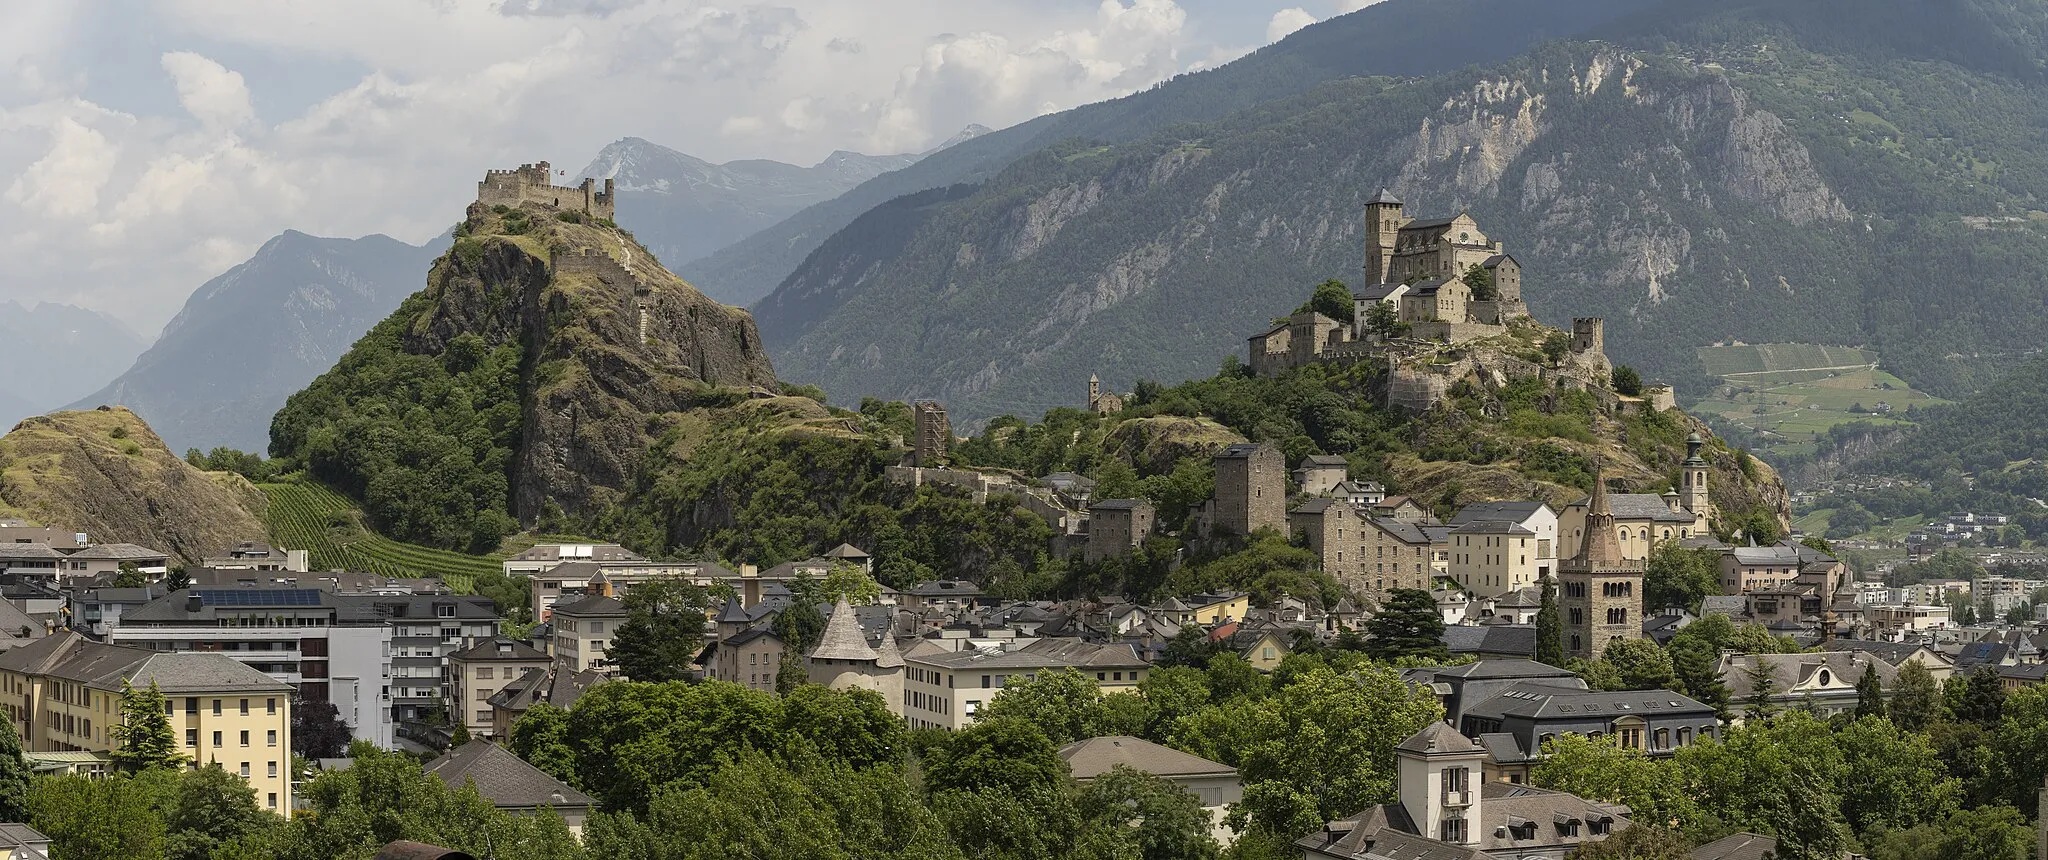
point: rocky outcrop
(615, 345)
(105, 473)
(1153, 445)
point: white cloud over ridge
(137, 165)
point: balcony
(1457, 799)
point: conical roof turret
(843, 639)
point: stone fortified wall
(534, 183)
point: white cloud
(210, 92)
(1345, 7)
(248, 117)
(1287, 21)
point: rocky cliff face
(615, 346)
(1654, 194)
(104, 472)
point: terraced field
(306, 515)
(1791, 393)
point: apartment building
(583, 630)
(945, 689)
(478, 672)
(327, 647)
(1496, 557)
(63, 693)
(425, 629)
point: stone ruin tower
(1589, 344)
(934, 435)
(534, 183)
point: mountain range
(55, 351)
(1814, 171)
(684, 207)
(264, 329)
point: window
(245, 770)
(483, 716)
(1452, 831)
(271, 705)
(216, 707)
(1631, 738)
(245, 737)
(1663, 739)
(273, 800)
(273, 769)
(192, 738)
(192, 705)
(216, 739)
(484, 674)
(270, 738)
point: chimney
(193, 603)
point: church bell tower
(1383, 222)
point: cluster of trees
(424, 441)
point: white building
(328, 648)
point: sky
(147, 147)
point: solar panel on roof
(259, 597)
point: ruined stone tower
(934, 435)
(1600, 592)
(534, 183)
(1251, 490)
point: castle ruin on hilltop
(1440, 297)
(534, 183)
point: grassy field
(1815, 522)
(306, 515)
(1791, 393)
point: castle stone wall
(534, 183)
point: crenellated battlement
(534, 183)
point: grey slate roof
(72, 657)
(1385, 196)
(1738, 846)
(592, 606)
(1492, 527)
(196, 671)
(1790, 670)
(119, 552)
(1640, 506)
(1118, 504)
(1330, 460)
(1724, 604)
(28, 551)
(504, 779)
(1438, 738)
(1401, 530)
(843, 639)
(1515, 640)
(499, 648)
(1538, 701)
(1513, 512)
(1095, 756)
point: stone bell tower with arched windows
(1600, 591)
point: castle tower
(844, 660)
(1600, 592)
(934, 435)
(1251, 489)
(1694, 480)
(1439, 783)
(1382, 232)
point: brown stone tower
(1383, 222)
(1601, 593)
(1251, 489)
(1694, 496)
(934, 435)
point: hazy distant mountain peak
(964, 135)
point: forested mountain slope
(1396, 37)
(1711, 172)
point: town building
(1824, 682)
(1491, 558)
(945, 689)
(1447, 811)
(1321, 474)
(259, 556)
(1516, 723)
(326, 647)
(1214, 783)
(582, 631)
(1600, 590)
(746, 650)
(107, 560)
(844, 659)
(510, 784)
(1251, 492)
(425, 629)
(17, 531)
(63, 693)
(1336, 534)
(1401, 553)
(1642, 520)
(478, 672)
(1117, 526)
(556, 685)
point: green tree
(1173, 692)
(1332, 299)
(1697, 666)
(1778, 777)
(212, 810)
(1677, 576)
(1008, 754)
(144, 739)
(1145, 817)
(1407, 625)
(1640, 664)
(1063, 703)
(1869, 693)
(1549, 626)
(851, 582)
(1230, 677)
(1916, 699)
(1763, 686)
(1480, 279)
(1384, 320)
(1627, 381)
(1600, 769)
(130, 576)
(1190, 647)
(1891, 779)
(541, 737)
(1639, 842)
(1987, 833)
(460, 735)
(663, 632)
(1322, 745)
(633, 738)
(1982, 700)
(1556, 345)
(14, 779)
(94, 819)
(852, 726)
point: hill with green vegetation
(105, 473)
(1781, 399)
(1792, 172)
